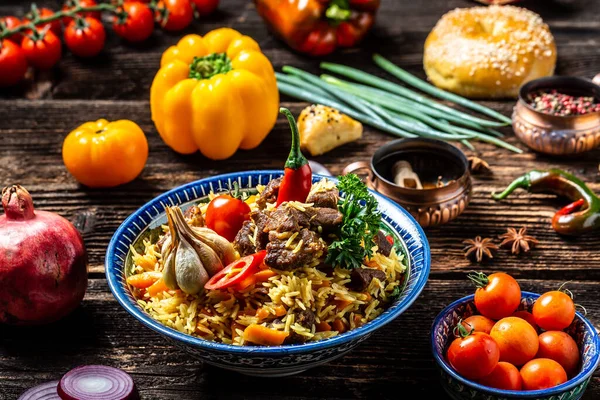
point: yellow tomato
(105, 154)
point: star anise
(479, 248)
(518, 240)
(478, 166)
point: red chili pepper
(390, 239)
(297, 179)
(236, 271)
(317, 27)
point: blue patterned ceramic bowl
(460, 388)
(268, 361)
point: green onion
(412, 80)
(376, 81)
(402, 124)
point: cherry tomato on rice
(86, 38)
(139, 23)
(237, 271)
(11, 22)
(554, 311)
(174, 15)
(497, 296)
(478, 323)
(474, 356)
(43, 53)
(13, 64)
(560, 347)
(205, 7)
(226, 214)
(517, 340)
(70, 4)
(55, 26)
(542, 373)
(505, 376)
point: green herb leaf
(361, 222)
(395, 295)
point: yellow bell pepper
(215, 94)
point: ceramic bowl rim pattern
(578, 379)
(125, 300)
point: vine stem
(57, 15)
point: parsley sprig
(360, 224)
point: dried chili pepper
(581, 216)
(297, 179)
(317, 27)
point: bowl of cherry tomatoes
(503, 343)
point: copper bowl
(429, 159)
(558, 135)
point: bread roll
(488, 52)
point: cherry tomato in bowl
(497, 296)
(473, 355)
(560, 347)
(542, 373)
(226, 214)
(554, 310)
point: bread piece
(324, 128)
(488, 52)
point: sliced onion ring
(45, 391)
(97, 382)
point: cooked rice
(222, 316)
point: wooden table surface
(396, 360)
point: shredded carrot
(357, 320)
(338, 325)
(321, 285)
(341, 304)
(264, 275)
(157, 287)
(144, 280)
(322, 327)
(259, 334)
(246, 282)
(262, 313)
(280, 311)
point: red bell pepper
(318, 27)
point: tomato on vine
(226, 214)
(554, 310)
(134, 22)
(85, 37)
(13, 64)
(497, 296)
(11, 22)
(174, 15)
(473, 354)
(42, 48)
(205, 7)
(70, 4)
(35, 12)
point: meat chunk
(260, 219)
(361, 278)
(305, 318)
(288, 258)
(326, 218)
(287, 219)
(194, 217)
(384, 247)
(269, 195)
(242, 241)
(324, 198)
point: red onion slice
(97, 382)
(45, 391)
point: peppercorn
(556, 103)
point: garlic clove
(189, 271)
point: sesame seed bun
(488, 52)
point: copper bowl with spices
(429, 178)
(559, 115)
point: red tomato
(13, 64)
(527, 316)
(517, 340)
(138, 25)
(205, 7)
(226, 215)
(87, 41)
(55, 26)
(497, 295)
(174, 15)
(554, 311)
(474, 356)
(505, 376)
(43, 53)
(542, 373)
(478, 323)
(70, 4)
(560, 347)
(235, 272)
(11, 22)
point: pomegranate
(43, 262)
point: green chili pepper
(581, 216)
